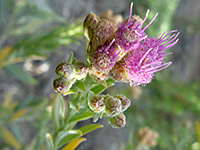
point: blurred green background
(35, 35)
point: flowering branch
(122, 53)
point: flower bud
(97, 104)
(113, 106)
(80, 70)
(124, 101)
(97, 75)
(118, 72)
(60, 85)
(118, 121)
(89, 24)
(64, 70)
(104, 31)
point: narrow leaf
(197, 124)
(8, 137)
(98, 89)
(73, 144)
(7, 100)
(81, 86)
(82, 115)
(55, 113)
(64, 137)
(21, 75)
(17, 114)
(89, 128)
(71, 57)
(4, 53)
(62, 108)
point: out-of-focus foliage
(32, 29)
(29, 28)
(13, 112)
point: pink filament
(131, 8)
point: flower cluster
(125, 52)
(68, 74)
(112, 107)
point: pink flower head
(130, 33)
(105, 57)
(143, 62)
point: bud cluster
(68, 74)
(112, 107)
(124, 51)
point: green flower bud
(80, 70)
(97, 104)
(60, 85)
(113, 106)
(124, 101)
(64, 70)
(118, 121)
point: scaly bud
(60, 85)
(97, 75)
(97, 104)
(64, 70)
(104, 31)
(80, 70)
(124, 101)
(118, 72)
(118, 121)
(89, 25)
(113, 106)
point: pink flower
(132, 56)
(105, 57)
(130, 32)
(144, 61)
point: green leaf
(21, 75)
(56, 113)
(89, 82)
(83, 114)
(64, 137)
(81, 85)
(88, 128)
(71, 57)
(73, 144)
(74, 103)
(100, 88)
(110, 82)
(9, 138)
(62, 109)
